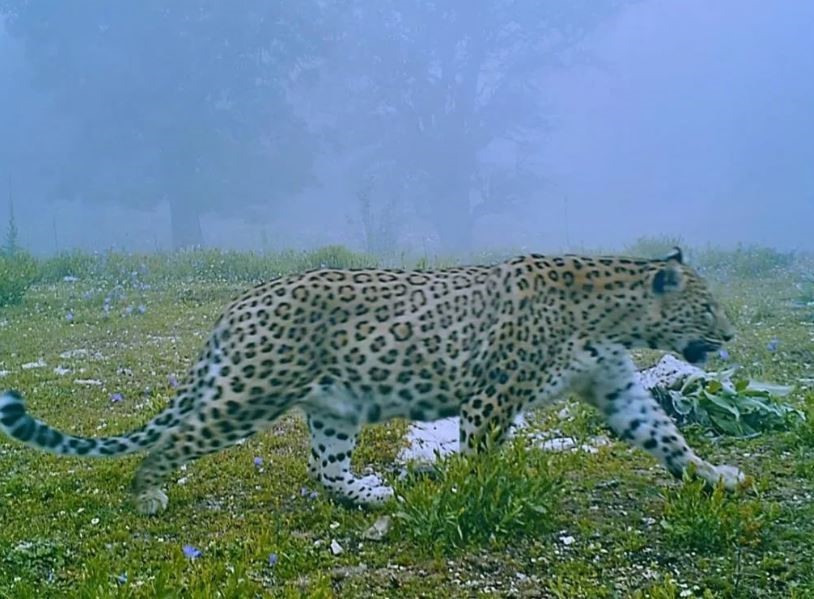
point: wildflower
(141, 309)
(191, 552)
(69, 316)
(273, 560)
(116, 397)
(122, 578)
(172, 380)
(306, 492)
(723, 354)
(258, 461)
(772, 345)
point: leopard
(486, 343)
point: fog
(389, 126)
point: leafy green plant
(729, 406)
(484, 499)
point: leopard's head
(683, 316)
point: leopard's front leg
(634, 415)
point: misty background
(391, 125)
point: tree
(183, 102)
(430, 85)
(12, 243)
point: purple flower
(191, 552)
(122, 578)
(306, 492)
(172, 380)
(142, 309)
(772, 345)
(69, 316)
(116, 397)
(723, 354)
(258, 461)
(273, 560)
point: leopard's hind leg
(208, 429)
(333, 440)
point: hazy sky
(699, 123)
(692, 119)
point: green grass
(710, 522)
(534, 524)
(485, 501)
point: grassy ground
(609, 524)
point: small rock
(336, 548)
(567, 540)
(349, 571)
(378, 530)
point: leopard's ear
(675, 255)
(667, 279)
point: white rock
(669, 373)
(40, 363)
(558, 444)
(336, 548)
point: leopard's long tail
(17, 423)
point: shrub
(17, 273)
(335, 256)
(67, 264)
(744, 261)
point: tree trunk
(186, 225)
